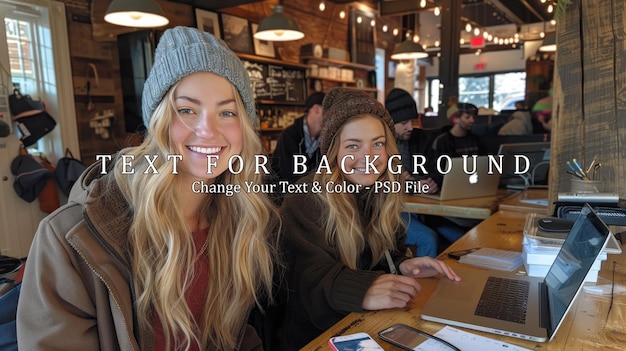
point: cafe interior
(563, 59)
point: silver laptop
(537, 306)
(469, 182)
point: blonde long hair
(240, 251)
(344, 228)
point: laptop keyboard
(504, 299)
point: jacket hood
(104, 206)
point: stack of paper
(537, 261)
(540, 249)
(494, 259)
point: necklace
(204, 246)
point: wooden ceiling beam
(395, 8)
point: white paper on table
(465, 341)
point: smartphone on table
(409, 338)
(353, 342)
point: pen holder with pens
(586, 186)
(585, 180)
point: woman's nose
(207, 125)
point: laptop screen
(582, 245)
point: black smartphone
(458, 254)
(409, 338)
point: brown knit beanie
(340, 104)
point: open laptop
(458, 184)
(538, 309)
(538, 155)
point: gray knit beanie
(401, 105)
(340, 104)
(182, 51)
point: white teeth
(205, 150)
(362, 170)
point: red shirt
(195, 295)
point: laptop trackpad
(456, 291)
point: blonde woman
(343, 237)
(142, 257)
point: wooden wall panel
(590, 93)
(84, 50)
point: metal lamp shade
(136, 13)
(278, 27)
(408, 50)
(549, 43)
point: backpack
(68, 171)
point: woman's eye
(351, 147)
(185, 111)
(379, 144)
(229, 114)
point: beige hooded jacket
(77, 292)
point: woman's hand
(424, 267)
(390, 291)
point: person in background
(455, 141)
(345, 246)
(403, 109)
(545, 118)
(300, 138)
(142, 261)
(542, 110)
(453, 102)
(520, 122)
(429, 118)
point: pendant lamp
(278, 27)
(136, 13)
(549, 43)
(408, 50)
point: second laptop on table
(474, 180)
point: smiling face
(361, 136)
(207, 123)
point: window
(25, 60)
(21, 55)
(34, 51)
(497, 91)
(508, 88)
(475, 90)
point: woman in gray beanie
(344, 238)
(149, 253)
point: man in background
(300, 138)
(455, 141)
(402, 108)
(520, 122)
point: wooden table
(527, 201)
(586, 326)
(475, 208)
